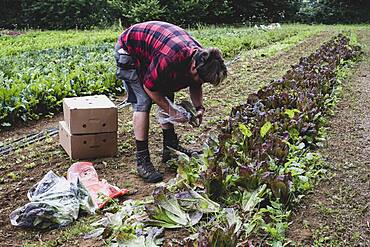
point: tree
(334, 11)
(9, 13)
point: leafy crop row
(264, 154)
(233, 40)
(35, 83)
(226, 38)
(41, 40)
(240, 190)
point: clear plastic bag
(176, 114)
(55, 202)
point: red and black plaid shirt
(163, 52)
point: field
(311, 189)
(39, 69)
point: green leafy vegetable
(265, 129)
(245, 130)
(291, 112)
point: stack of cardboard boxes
(89, 129)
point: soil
(337, 212)
(245, 76)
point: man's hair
(210, 65)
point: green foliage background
(67, 14)
(40, 68)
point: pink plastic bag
(100, 191)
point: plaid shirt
(163, 54)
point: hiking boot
(145, 168)
(167, 154)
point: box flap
(89, 102)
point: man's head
(209, 66)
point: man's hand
(196, 95)
(199, 114)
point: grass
(69, 233)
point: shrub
(64, 14)
(143, 10)
(9, 12)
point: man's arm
(196, 95)
(158, 98)
(162, 102)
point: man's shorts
(127, 72)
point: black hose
(27, 140)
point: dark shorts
(127, 72)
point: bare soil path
(245, 76)
(337, 213)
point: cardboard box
(88, 145)
(90, 114)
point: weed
(30, 165)
(13, 176)
(68, 234)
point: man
(156, 59)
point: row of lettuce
(240, 191)
(38, 69)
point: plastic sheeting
(176, 114)
(54, 202)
